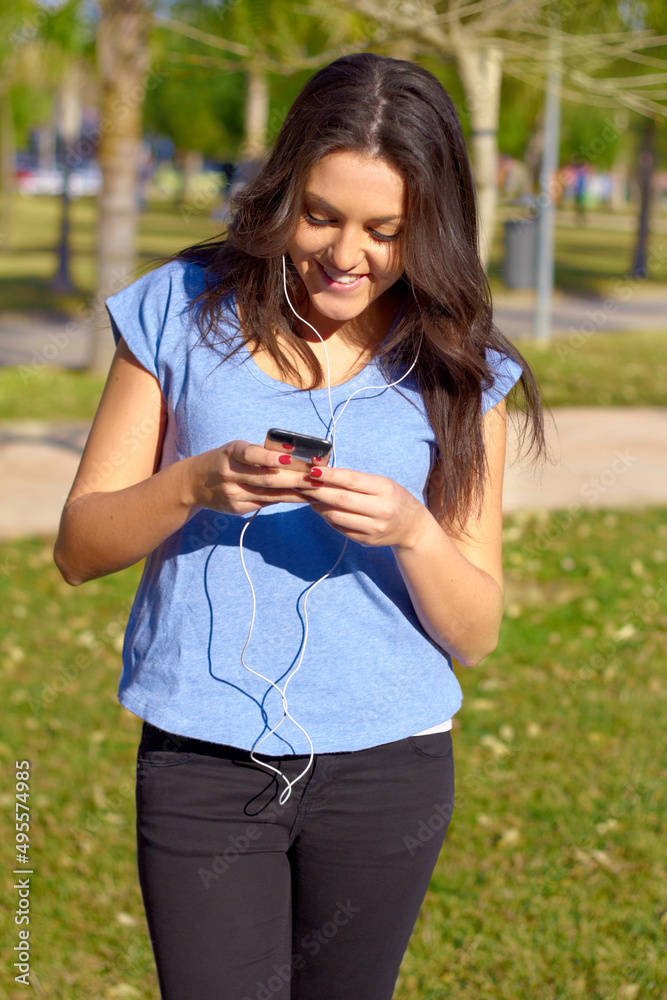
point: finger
(277, 477)
(247, 454)
(274, 496)
(355, 526)
(337, 498)
(348, 479)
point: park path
(601, 457)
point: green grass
(589, 259)
(552, 881)
(609, 370)
(51, 394)
(28, 264)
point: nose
(347, 251)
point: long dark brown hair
(394, 110)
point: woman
(350, 275)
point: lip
(339, 286)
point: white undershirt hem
(442, 727)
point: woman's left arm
(455, 582)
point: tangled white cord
(287, 791)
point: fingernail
(316, 473)
(285, 459)
(317, 458)
(288, 447)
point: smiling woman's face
(346, 246)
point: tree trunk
(646, 172)
(619, 188)
(256, 115)
(46, 146)
(122, 51)
(193, 164)
(480, 71)
(7, 166)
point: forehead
(349, 180)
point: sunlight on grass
(28, 267)
(606, 370)
(589, 259)
(52, 394)
(551, 883)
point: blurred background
(126, 126)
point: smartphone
(304, 447)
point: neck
(364, 333)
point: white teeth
(343, 279)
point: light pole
(548, 173)
(69, 127)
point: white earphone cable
(287, 791)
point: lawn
(28, 265)
(604, 369)
(552, 882)
(609, 369)
(589, 259)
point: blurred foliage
(199, 111)
(201, 107)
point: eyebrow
(330, 208)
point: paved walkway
(603, 457)
(632, 307)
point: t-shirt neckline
(261, 376)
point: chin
(336, 307)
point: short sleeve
(138, 314)
(507, 373)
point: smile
(340, 281)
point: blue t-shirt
(370, 673)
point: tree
(486, 38)
(265, 41)
(123, 61)
(19, 31)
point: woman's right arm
(119, 508)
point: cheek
(306, 241)
(390, 266)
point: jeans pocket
(161, 749)
(435, 746)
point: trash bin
(520, 263)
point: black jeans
(247, 899)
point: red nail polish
(316, 473)
(288, 447)
(285, 459)
(317, 458)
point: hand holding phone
(303, 449)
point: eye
(383, 239)
(317, 222)
(312, 221)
